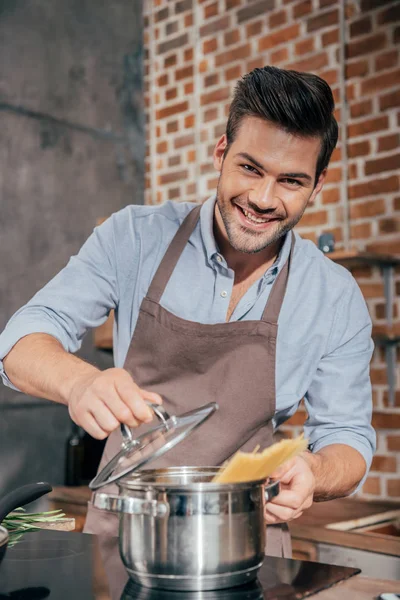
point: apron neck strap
(171, 257)
(275, 300)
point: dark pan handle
(22, 495)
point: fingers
(280, 514)
(151, 396)
(90, 425)
(134, 398)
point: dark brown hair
(300, 103)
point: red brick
(374, 187)
(279, 56)
(397, 207)
(170, 61)
(330, 37)
(305, 46)
(389, 142)
(211, 10)
(393, 487)
(313, 219)
(173, 176)
(331, 196)
(371, 290)
(393, 441)
(301, 9)
(207, 167)
(171, 110)
(216, 96)
(171, 28)
(212, 79)
(210, 46)
(326, 19)
(215, 26)
(372, 4)
(210, 115)
(191, 188)
(357, 68)
(253, 29)
(171, 93)
(368, 126)
(389, 15)
(366, 45)
(162, 80)
(219, 130)
(372, 486)
(380, 165)
(233, 73)
(191, 156)
(174, 161)
(360, 231)
(367, 209)
(255, 9)
(161, 147)
(391, 100)
(359, 149)
(212, 184)
(353, 171)
(360, 109)
(173, 193)
(172, 126)
(253, 64)
(278, 18)
(324, 3)
(189, 121)
(232, 4)
(183, 141)
(233, 54)
(189, 87)
(188, 54)
(231, 37)
(388, 79)
(314, 63)
(387, 60)
(279, 37)
(188, 20)
(386, 247)
(161, 15)
(183, 5)
(361, 26)
(330, 76)
(172, 44)
(391, 225)
(334, 175)
(184, 73)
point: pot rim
(3, 536)
(137, 481)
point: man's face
(266, 181)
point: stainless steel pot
(179, 531)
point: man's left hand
(296, 492)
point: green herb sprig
(19, 522)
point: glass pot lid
(137, 452)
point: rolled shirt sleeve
(339, 399)
(78, 298)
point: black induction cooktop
(77, 566)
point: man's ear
(318, 187)
(219, 152)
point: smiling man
(220, 302)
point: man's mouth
(256, 219)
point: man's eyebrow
(260, 166)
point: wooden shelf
(355, 258)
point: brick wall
(195, 51)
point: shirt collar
(207, 233)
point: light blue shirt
(324, 341)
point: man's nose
(263, 196)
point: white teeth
(252, 218)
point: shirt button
(219, 258)
(224, 294)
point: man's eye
(249, 168)
(292, 182)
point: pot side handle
(271, 490)
(129, 505)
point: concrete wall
(71, 150)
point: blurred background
(107, 104)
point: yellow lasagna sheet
(250, 466)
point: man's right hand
(100, 401)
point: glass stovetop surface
(77, 566)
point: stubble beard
(247, 240)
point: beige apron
(190, 364)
